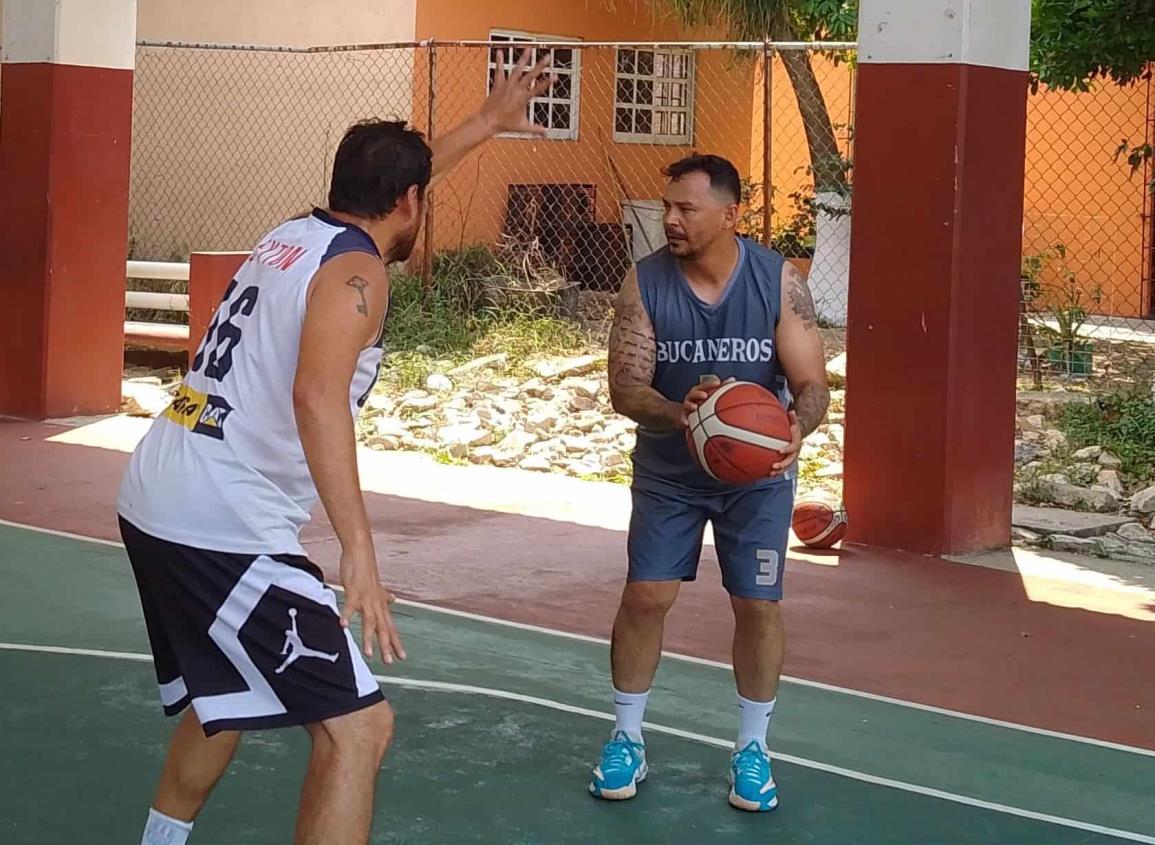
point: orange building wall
(470, 204)
(1079, 196)
(789, 153)
(1076, 193)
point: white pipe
(156, 301)
(172, 271)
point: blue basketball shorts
(751, 532)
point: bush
(1122, 422)
(451, 321)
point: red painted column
(209, 274)
(65, 133)
(935, 258)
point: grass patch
(1034, 490)
(452, 323)
(525, 338)
(1122, 422)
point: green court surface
(497, 728)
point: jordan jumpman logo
(294, 648)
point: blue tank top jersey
(733, 338)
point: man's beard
(403, 246)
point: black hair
(723, 175)
(376, 163)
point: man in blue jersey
(709, 307)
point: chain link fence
(229, 141)
(1088, 307)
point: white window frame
(517, 38)
(690, 81)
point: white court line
(66, 534)
(700, 661)
(551, 704)
(717, 664)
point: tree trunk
(829, 276)
(825, 157)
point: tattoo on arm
(632, 350)
(810, 405)
(359, 284)
(800, 299)
(633, 357)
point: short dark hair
(723, 175)
(376, 163)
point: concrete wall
(286, 23)
(227, 144)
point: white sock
(754, 721)
(162, 830)
(630, 710)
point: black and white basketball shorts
(251, 641)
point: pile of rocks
(1116, 536)
(1048, 471)
(1132, 542)
(557, 420)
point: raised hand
(507, 107)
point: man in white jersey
(241, 625)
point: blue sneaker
(752, 784)
(622, 768)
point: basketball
(739, 432)
(819, 521)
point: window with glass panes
(654, 96)
(556, 109)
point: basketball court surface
(500, 719)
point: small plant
(456, 319)
(1122, 422)
(1067, 303)
(523, 279)
(1137, 157)
(1032, 490)
(408, 369)
(794, 238)
(443, 457)
(1029, 290)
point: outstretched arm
(505, 110)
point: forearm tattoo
(633, 352)
(632, 359)
(810, 405)
(359, 284)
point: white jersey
(223, 468)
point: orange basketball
(739, 432)
(819, 522)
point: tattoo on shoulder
(359, 284)
(801, 300)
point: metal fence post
(430, 128)
(1148, 293)
(768, 142)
